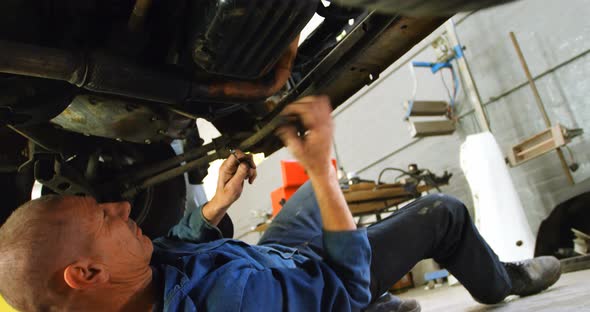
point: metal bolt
(119, 140)
(147, 141)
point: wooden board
(375, 206)
(380, 193)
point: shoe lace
(517, 273)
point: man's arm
(314, 151)
(200, 226)
(346, 249)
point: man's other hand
(313, 148)
(237, 168)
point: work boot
(533, 276)
(391, 303)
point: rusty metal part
(376, 42)
(96, 73)
(372, 55)
(137, 18)
(539, 101)
(123, 119)
(113, 118)
(243, 39)
(169, 174)
(261, 88)
(167, 164)
(49, 138)
(60, 177)
(41, 62)
(108, 75)
(194, 159)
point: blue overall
(297, 266)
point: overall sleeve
(194, 228)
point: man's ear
(85, 274)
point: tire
(166, 207)
(422, 7)
(16, 190)
(15, 186)
(155, 210)
(159, 208)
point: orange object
(404, 283)
(277, 196)
(294, 174)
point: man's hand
(232, 174)
(313, 148)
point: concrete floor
(570, 293)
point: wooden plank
(261, 227)
(431, 128)
(381, 193)
(360, 186)
(374, 194)
(367, 207)
(427, 108)
(575, 264)
(539, 144)
(375, 206)
(370, 186)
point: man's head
(64, 252)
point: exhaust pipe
(108, 75)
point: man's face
(107, 235)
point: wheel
(160, 207)
(155, 210)
(16, 190)
(16, 186)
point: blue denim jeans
(435, 226)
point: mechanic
(73, 254)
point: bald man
(74, 254)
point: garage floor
(571, 293)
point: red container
(282, 193)
(294, 174)
(293, 177)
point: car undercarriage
(93, 92)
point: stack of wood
(581, 242)
(370, 198)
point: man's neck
(143, 300)
(140, 296)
